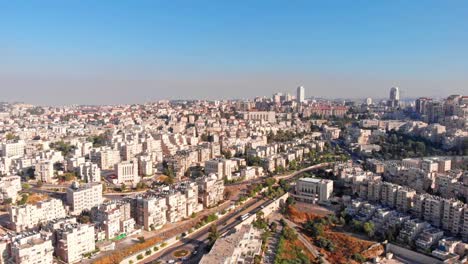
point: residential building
(240, 247)
(84, 197)
(9, 187)
(32, 248)
(89, 172)
(28, 216)
(73, 241)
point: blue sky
(59, 51)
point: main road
(198, 241)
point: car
(171, 261)
(194, 252)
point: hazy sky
(99, 52)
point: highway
(198, 241)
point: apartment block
(44, 171)
(389, 194)
(73, 241)
(404, 200)
(9, 187)
(176, 207)
(220, 167)
(240, 247)
(84, 197)
(89, 172)
(452, 218)
(149, 211)
(210, 191)
(105, 158)
(433, 209)
(12, 149)
(28, 216)
(32, 248)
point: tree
(24, 199)
(213, 235)
(289, 233)
(315, 229)
(357, 225)
(123, 187)
(369, 228)
(358, 257)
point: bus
(243, 217)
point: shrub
(140, 257)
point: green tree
(358, 257)
(369, 228)
(213, 235)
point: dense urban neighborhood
(280, 179)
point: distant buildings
(394, 99)
(300, 94)
(260, 116)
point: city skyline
(150, 51)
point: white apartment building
(150, 212)
(32, 248)
(73, 241)
(89, 172)
(9, 187)
(12, 149)
(313, 190)
(240, 247)
(105, 158)
(129, 151)
(221, 167)
(145, 165)
(114, 218)
(127, 172)
(191, 194)
(83, 197)
(44, 171)
(210, 190)
(28, 216)
(176, 207)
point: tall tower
(394, 97)
(300, 94)
(395, 94)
